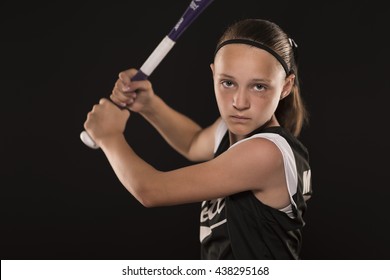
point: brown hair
(291, 111)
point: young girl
(252, 175)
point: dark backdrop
(61, 200)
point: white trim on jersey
(290, 168)
(219, 133)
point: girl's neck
(233, 138)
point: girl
(252, 175)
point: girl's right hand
(134, 95)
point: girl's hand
(105, 120)
(134, 95)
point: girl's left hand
(105, 120)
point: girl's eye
(259, 87)
(227, 84)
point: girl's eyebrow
(222, 75)
(225, 76)
(262, 80)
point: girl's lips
(238, 118)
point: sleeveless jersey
(240, 226)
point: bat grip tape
(157, 55)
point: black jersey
(242, 227)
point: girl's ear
(212, 68)
(288, 85)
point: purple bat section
(139, 76)
(195, 8)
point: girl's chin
(240, 131)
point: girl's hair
(291, 111)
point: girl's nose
(241, 100)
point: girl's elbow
(145, 191)
(147, 198)
(147, 201)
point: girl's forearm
(133, 172)
(177, 129)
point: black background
(61, 200)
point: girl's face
(248, 84)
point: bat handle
(143, 73)
(86, 138)
(139, 76)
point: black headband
(257, 45)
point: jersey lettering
(306, 182)
(211, 216)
